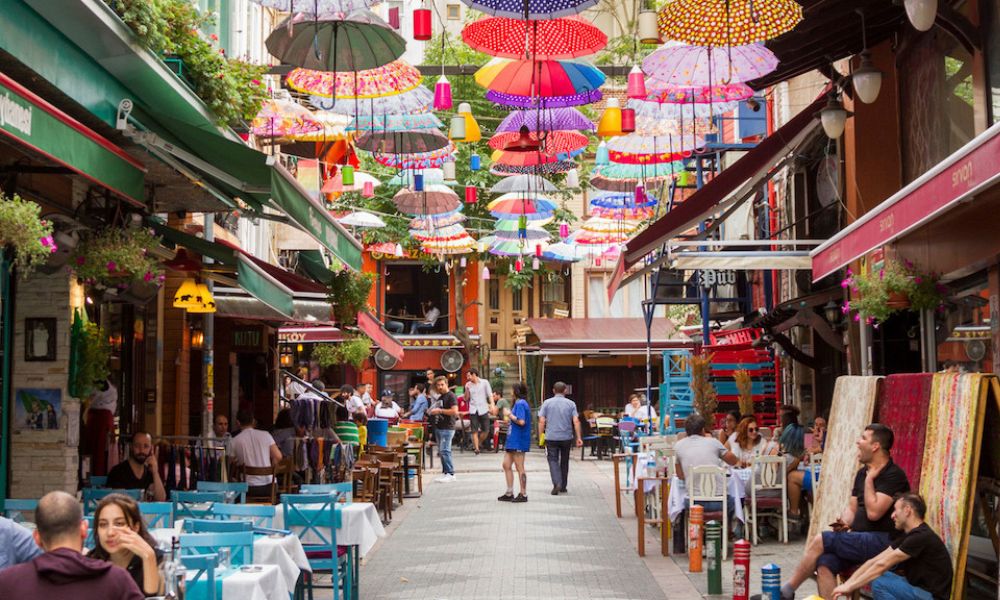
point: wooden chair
(391, 472)
(283, 475)
(416, 449)
(769, 475)
(663, 520)
(271, 495)
(708, 484)
(369, 489)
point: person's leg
(806, 566)
(552, 454)
(475, 424)
(564, 451)
(521, 474)
(444, 439)
(795, 492)
(413, 328)
(844, 550)
(890, 586)
(508, 475)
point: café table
(254, 582)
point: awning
(233, 303)
(43, 128)
(731, 186)
(312, 263)
(958, 178)
(776, 260)
(301, 287)
(615, 336)
(309, 335)
(374, 329)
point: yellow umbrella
(727, 22)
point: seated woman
(749, 444)
(122, 539)
(728, 431)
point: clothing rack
(188, 459)
(324, 459)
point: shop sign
(449, 342)
(309, 335)
(711, 278)
(249, 338)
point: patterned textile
(852, 409)
(903, 408)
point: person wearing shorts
(518, 442)
(480, 396)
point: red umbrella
(513, 38)
(521, 159)
(544, 78)
(647, 159)
(554, 142)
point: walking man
(480, 406)
(444, 413)
(560, 423)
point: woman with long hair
(749, 443)
(518, 443)
(122, 539)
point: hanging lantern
(538, 250)
(640, 194)
(347, 175)
(597, 261)
(921, 13)
(470, 194)
(867, 79)
(833, 117)
(475, 163)
(486, 273)
(573, 178)
(442, 94)
(522, 222)
(628, 120)
(649, 31)
(206, 303)
(636, 84)
(564, 230)
(610, 124)
(418, 182)
(368, 190)
(518, 265)
(186, 294)
(457, 130)
(472, 131)
(461, 262)
(422, 29)
(449, 170)
(398, 250)
(394, 17)
(535, 264)
(602, 157)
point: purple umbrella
(696, 66)
(531, 9)
(560, 166)
(556, 119)
(549, 102)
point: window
(517, 300)
(454, 12)
(408, 289)
(494, 294)
(965, 342)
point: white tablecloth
(736, 486)
(267, 584)
(359, 526)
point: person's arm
(870, 571)
(22, 543)
(152, 583)
(275, 454)
(159, 492)
(678, 471)
(730, 459)
(541, 425)
(576, 428)
(876, 503)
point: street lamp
(832, 312)
(867, 79)
(921, 13)
(833, 116)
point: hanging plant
(94, 355)
(116, 257)
(355, 351)
(744, 388)
(349, 293)
(895, 287)
(325, 355)
(705, 396)
(23, 231)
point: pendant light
(206, 303)
(398, 250)
(518, 265)
(867, 79)
(472, 131)
(640, 194)
(628, 120)
(538, 251)
(422, 29)
(442, 94)
(418, 182)
(368, 190)
(475, 162)
(523, 143)
(564, 230)
(347, 175)
(186, 294)
(637, 84)
(573, 178)
(649, 31)
(449, 170)
(470, 194)
(610, 124)
(456, 132)
(921, 13)
(535, 264)
(602, 157)
(833, 116)
(486, 273)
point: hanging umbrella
(645, 127)
(539, 78)
(642, 144)
(418, 99)
(601, 225)
(630, 171)
(666, 101)
(626, 158)
(281, 117)
(335, 185)
(509, 230)
(531, 9)
(438, 221)
(389, 122)
(358, 41)
(333, 127)
(546, 120)
(633, 214)
(402, 142)
(523, 183)
(448, 232)
(388, 80)
(516, 101)
(554, 142)
(514, 248)
(696, 66)
(537, 39)
(462, 245)
(616, 200)
(435, 199)
(404, 178)
(509, 208)
(424, 160)
(562, 252)
(382, 248)
(560, 166)
(727, 22)
(521, 159)
(362, 219)
(313, 7)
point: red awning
(567, 336)
(374, 329)
(744, 175)
(973, 168)
(308, 335)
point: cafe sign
(249, 339)
(426, 342)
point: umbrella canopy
(530, 9)
(404, 178)
(553, 142)
(460, 245)
(638, 171)
(626, 158)
(560, 166)
(362, 219)
(613, 226)
(514, 248)
(438, 221)
(335, 185)
(507, 229)
(388, 122)
(523, 183)
(539, 78)
(333, 127)
(629, 214)
(517, 101)
(619, 200)
(402, 142)
(666, 101)
(727, 22)
(282, 117)
(515, 205)
(653, 144)
(313, 7)
(435, 199)
(424, 160)
(540, 40)
(388, 80)
(697, 66)
(356, 42)
(521, 159)
(418, 99)
(443, 233)
(562, 252)
(554, 119)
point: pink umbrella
(696, 66)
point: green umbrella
(357, 42)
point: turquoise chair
(259, 515)
(14, 507)
(191, 505)
(200, 585)
(239, 488)
(89, 543)
(316, 514)
(345, 489)
(97, 481)
(215, 526)
(158, 515)
(240, 544)
(91, 496)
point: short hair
(319, 385)
(131, 440)
(915, 502)
(223, 415)
(420, 387)
(440, 378)
(360, 384)
(520, 391)
(347, 389)
(736, 415)
(57, 516)
(559, 387)
(388, 394)
(244, 416)
(694, 425)
(882, 434)
(341, 413)
(473, 372)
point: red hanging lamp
(422, 29)
(523, 143)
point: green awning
(312, 263)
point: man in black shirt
(919, 555)
(865, 528)
(443, 412)
(140, 470)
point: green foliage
(233, 89)
(349, 293)
(325, 355)
(355, 351)
(95, 352)
(706, 399)
(870, 292)
(117, 257)
(497, 376)
(22, 230)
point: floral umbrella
(314, 7)
(645, 126)
(281, 117)
(560, 166)
(459, 245)
(356, 42)
(531, 9)
(387, 122)
(438, 221)
(546, 120)
(435, 199)
(335, 185)
(697, 66)
(402, 142)
(424, 160)
(626, 158)
(523, 183)
(537, 39)
(418, 99)
(727, 22)
(509, 230)
(553, 142)
(638, 171)
(630, 214)
(362, 219)
(539, 78)
(388, 80)
(516, 101)
(404, 178)
(514, 248)
(333, 127)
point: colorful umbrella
(333, 127)
(645, 126)
(514, 248)
(638, 171)
(539, 40)
(450, 231)
(531, 9)
(553, 142)
(521, 159)
(313, 7)
(619, 200)
(335, 185)
(560, 166)
(509, 230)
(356, 42)
(601, 225)
(387, 122)
(523, 183)
(461, 245)
(665, 93)
(362, 219)
(697, 66)
(388, 80)
(425, 160)
(438, 221)
(653, 144)
(539, 78)
(404, 178)
(630, 214)
(626, 158)
(727, 22)
(418, 99)
(281, 117)
(515, 205)
(562, 252)
(402, 142)
(546, 120)
(434, 200)
(516, 101)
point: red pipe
(772, 202)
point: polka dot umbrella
(548, 168)
(695, 66)
(727, 22)
(314, 7)
(518, 101)
(540, 40)
(553, 119)
(531, 9)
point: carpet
(903, 408)
(852, 409)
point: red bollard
(741, 570)
(696, 525)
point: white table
(266, 584)
(736, 486)
(359, 526)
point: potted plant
(706, 399)
(25, 233)
(349, 293)
(325, 355)
(894, 287)
(355, 351)
(116, 257)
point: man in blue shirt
(518, 442)
(418, 403)
(559, 421)
(16, 544)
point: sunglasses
(752, 430)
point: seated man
(393, 325)
(418, 403)
(62, 571)
(255, 448)
(865, 528)
(701, 449)
(139, 470)
(915, 566)
(429, 323)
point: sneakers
(555, 491)
(520, 498)
(449, 478)
(508, 497)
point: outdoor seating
(232, 489)
(260, 515)
(312, 517)
(216, 526)
(707, 484)
(195, 505)
(200, 584)
(345, 489)
(91, 496)
(14, 508)
(271, 495)
(768, 493)
(157, 514)
(239, 544)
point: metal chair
(240, 544)
(216, 526)
(231, 489)
(769, 474)
(91, 496)
(815, 466)
(157, 514)
(200, 585)
(195, 505)
(312, 517)
(708, 484)
(259, 515)
(13, 508)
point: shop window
(494, 294)
(963, 331)
(454, 12)
(399, 383)
(409, 288)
